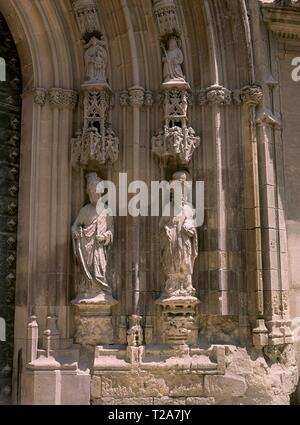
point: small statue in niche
(135, 333)
(95, 60)
(179, 243)
(92, 235)
(172, 60)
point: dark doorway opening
(10, 121)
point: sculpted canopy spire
(166, 16)
(87, 17)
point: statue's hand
(189, 230)
(101, 239)
(75, 234)
(168, 232)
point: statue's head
(92, 180)
(173, 43)
(94, 41)
(182, 176)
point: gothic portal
(103, 305)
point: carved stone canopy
(97, 140)
(166, 16)
(176, 139)
(86, 16)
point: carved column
(175, 145)
(252, 96)
(218, 97)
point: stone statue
(92, 235)
(95, 60)
(172, 60)
(135, 332)
(179, 244)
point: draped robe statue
(172, 61)
(95, 60)
(179, 246)
(92, 235)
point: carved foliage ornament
(251, 95)
(39, 96)
(62, 98)
(57, 97)
(218, 95)
(136, 96)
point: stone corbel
(215, 95)
(218, 95)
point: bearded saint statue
(179, 243)
(92, 234)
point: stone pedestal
(93, 321)
(178, 319)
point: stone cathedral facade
(124, 309)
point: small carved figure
(172, 60)
(135, 332)
(95, 60)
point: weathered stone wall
(250, 378)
